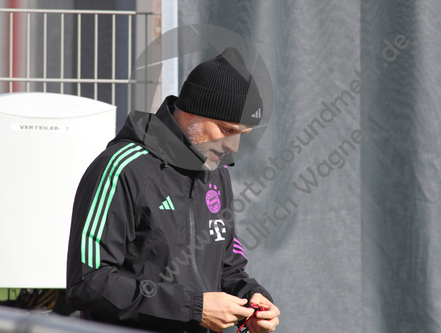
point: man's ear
(189, 116)
(184, 119)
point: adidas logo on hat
(257, 114)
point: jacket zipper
(193, 237)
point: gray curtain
(361, 252)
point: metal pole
(66, 80)
(11, 45)
(129, 69)
(146, 67)
(62, 55)
(95, 87)
(44, 51)
(72, 11)
(113, 56)
(28, 50)
(79, 55)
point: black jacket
(146, 239)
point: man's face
(215, 138)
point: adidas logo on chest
(167, 204)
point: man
(145, 214)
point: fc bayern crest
(212, 199)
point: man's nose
(231, 143)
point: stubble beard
(194, 134)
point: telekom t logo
(217, 229)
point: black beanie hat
(215, 89)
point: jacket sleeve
(235, 280)
(101, 220)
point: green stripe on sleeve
(109, 200)
(95, 199)
(103, 200)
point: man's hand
(265, 321)
(222, 310)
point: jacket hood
(161, 135)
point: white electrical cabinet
(46, 143)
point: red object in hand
(256, 308)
